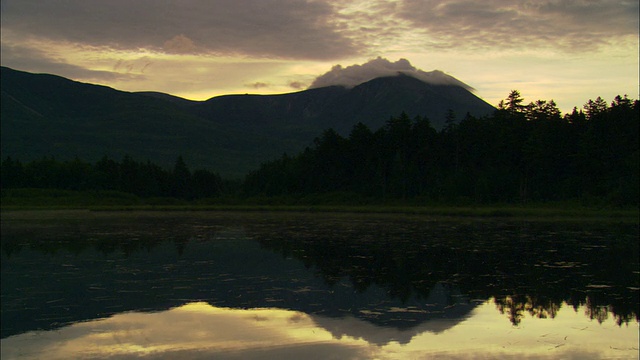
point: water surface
(265, 285)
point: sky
(568, 51)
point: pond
(201, 285)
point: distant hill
(48, 115)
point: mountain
(44, 115)
(48, 115)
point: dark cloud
(574, 25)
(322, 29)
(357, 74)
(269, 28)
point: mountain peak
(355, 75)
(230, 134)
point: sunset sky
(566, 50)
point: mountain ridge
(49, 115)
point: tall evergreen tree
(181, 179)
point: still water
(201, 285)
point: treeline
(143, 179)
(521, 153)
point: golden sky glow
(568, 50)
(198, 330)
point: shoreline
(532, 212)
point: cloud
(565, 26)
(128, 66)
(179, 44)
(258, 85)
(200, 48)
(325, 29)
(297, 85)
(569, 25)
(34, 60)
(379, 67)
(267, 28)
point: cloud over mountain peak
(354, 75)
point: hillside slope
(47, 115)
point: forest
(521, 153)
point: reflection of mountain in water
(62, 287)
(434, 314)
(400, 274)
(527, 267)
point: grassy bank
(43, 199)
(488, 211)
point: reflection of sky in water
(198, 330)
(370, 287)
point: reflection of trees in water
(596, 312)
(527, 270)
(515, 306)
